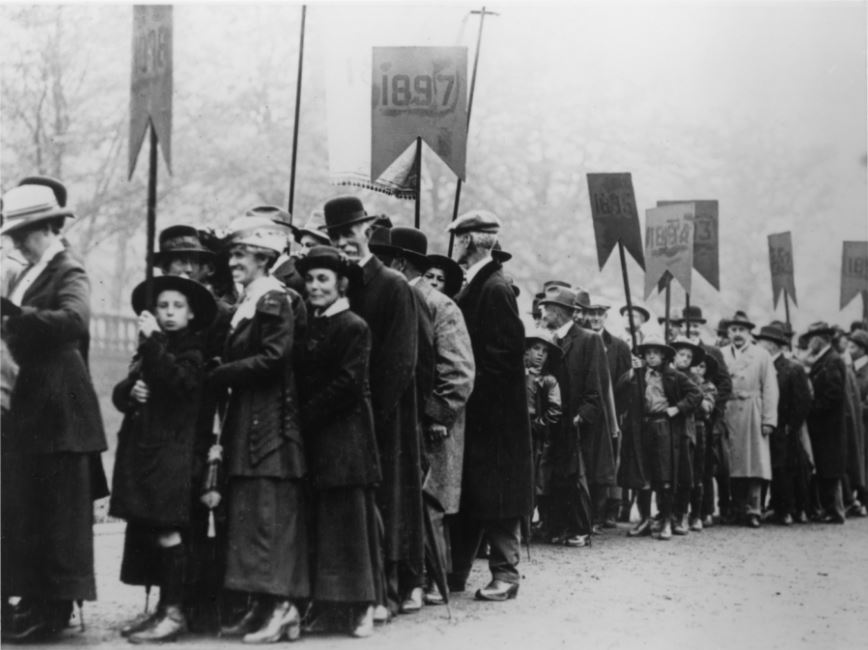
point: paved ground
(802, 587)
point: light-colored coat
(454, 373)
(754, 403)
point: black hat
(722, 327)
(740, 318)
(201, 300)
(556, 283)
(345, 211)
(562, 297)
(820, 328)
(180, 239)
(711, 367)
(380, 242)
(786, 328)
(773, 333)
(500, 255)
(329, 257)
(692, 314)
(407, 242)
(634, 305)
(454, 275)
(583, 299)
(860, 338)
(684, 342)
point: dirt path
(802, 587)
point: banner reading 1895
(419, 92)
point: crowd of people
(324, 426)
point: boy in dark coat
(151, 483)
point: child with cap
(152, 480)
(544, 408)
(701, 372)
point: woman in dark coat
(339, 434)
(152, 477)
(267, 535)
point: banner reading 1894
(151, 92)
(419, 92)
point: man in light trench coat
(751, 415)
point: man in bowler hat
(496, 491)
(386, 302)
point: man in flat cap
(751, 416)
(584, 463)
(386, 302)
(53, 435)
(497, 488)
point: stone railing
(113, 334)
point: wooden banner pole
(686, 314)
(297, 113)
(787, 309)
(418, 170)
(666, 313)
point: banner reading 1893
(151, 91)
(419, 92)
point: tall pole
(686, 316)
(482, 14)
(417, 164)
(297, 111)
(787, 310)
(152, 218)
(626, 280)
(668, 302)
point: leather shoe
(498, 590)
(681, 527)
(832, 519)
(786, 520)
(753, 521)
(801, 517)
(252, 619)
(167, 627)
(696, 524)
(283, 622)
(642, 529)
(665, 531)
(577, 541)
(610, 523)
(708, 522)
(363, 623)
(433, 596)
(413, 602)
(141, 622)
(381, 614)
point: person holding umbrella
(152, 478)
(265, 462)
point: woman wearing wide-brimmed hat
(264, 452)
(444, 274)
(53, 433)
(338, 425)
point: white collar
(49, 253)
(339, 305)
(562, 331)
(776, 355)
(252, 293)
(474, 268)
(30, 273)
(364, 260)
(860, 362)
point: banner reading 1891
(419, 92)
(151, 92)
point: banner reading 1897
(419, 92)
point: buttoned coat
(862, 380)
(335, 394)
(454, 372)
(386, 302)
(754, 404)
(582, 375)
(262, 435)
(794, 402)
(855, 431)
(498, 461)
(619, 361)
(827, 417)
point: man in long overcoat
(788, 460)
(858, 348)
(496, 491)
(386, 302)
(827, 420)
(751, 416)
(442, 412)
(581, 450)
(54, 433)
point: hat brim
(824, 331)
(641, 310)
(698, 321)
(773, 339)
(554, 349)
(549, 301)
(202, 302)
(347, 269)
(351, 222)
(743, 323)
(454, 275)
(15, 224)
(698, 352)
(642, 348)
(319, 235)
(162, 256)
(501, 256)
(418, 259)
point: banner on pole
(151, 87)
(781, 263)
(706, 258)
(669, 244)
(613, 209)
(419, 92)
(854, 271)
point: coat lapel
(43, 278)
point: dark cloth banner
(613, 208)
(854, 271)
(781, 262)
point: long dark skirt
(346, 545)
(670, 457)
(48, 526)
(267, 538)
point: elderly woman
(267, 537)
(342, 450)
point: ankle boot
(252, 619)
(171, 623)
(283, 622)
(167, 627)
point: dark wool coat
(721, 380)
(827, 417)
(262, 435)
(794, 402)
(335, 394)
(634, 471)
(54, 405)
(387, 304)
(454, 371)
(289, 275)
(425, 358)
(151, 483)
(498, 459)
(582, 375)
(862, 379)
(855, 431)
(619, 361)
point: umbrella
(436, 547)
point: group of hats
(35, 200)
(560, 293)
